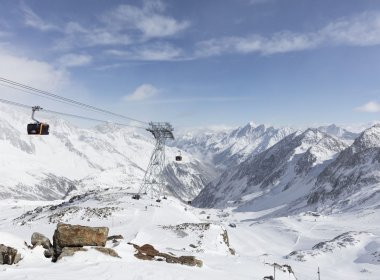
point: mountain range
(310, 170)
(250, 168)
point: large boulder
(39, 239)
(78, 236)
(9, 255)
(67, 235)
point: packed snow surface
(343, 246)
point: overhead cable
(71, 101)
(66, 114)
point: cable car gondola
(179, 156)
(136, 196)
(37, 128)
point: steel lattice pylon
(153, 182)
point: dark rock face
(77, 236)
(9, 255)
(148, 252)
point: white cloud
(37, 73)
(152, 52)
(360, 30)
(143, 92)
(149, 20)
(278, 43)
(74, 60)
(125, 25)
(33, 20)
(77, 35)
(370, 107)
(41, 75)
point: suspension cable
(66, 114)
(71, 101)
(43, 96)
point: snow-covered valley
(262, 198)
(294, 240)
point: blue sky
(200, 63)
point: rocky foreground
(69, 239)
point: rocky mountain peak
(370, 138)
(248, 129)
(339, 132)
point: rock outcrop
(67, 235)
(9, 255)
(148, 252)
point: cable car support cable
(55, 96)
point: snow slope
(50, 167)
(343, 246)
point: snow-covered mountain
(96, 169)
(276, 177)
(49, 167)
(339, 132)
(227, 149)
(353, 179)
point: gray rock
(115, 237)
(9, 255)
(48, 253)
(107, 251)
(40, 239)
(148, 252)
